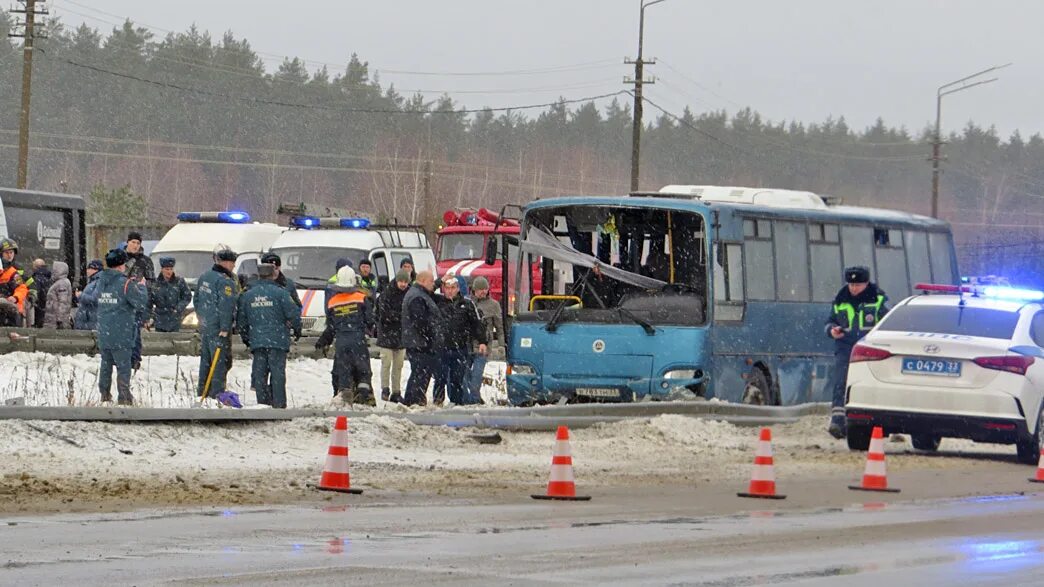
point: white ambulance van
(310, 249)
(191, 242)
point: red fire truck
(463, 241)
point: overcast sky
(792, 59)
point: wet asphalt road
(627, 539)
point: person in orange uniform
(13, 289)
(348, 319)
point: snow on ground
(120, 465)
(170, 381)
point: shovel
(210, 376)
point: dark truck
(46, 226)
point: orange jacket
(12, 279)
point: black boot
(396, 398)
(385, 394)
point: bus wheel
(758, 391)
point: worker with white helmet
(348, 318)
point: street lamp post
(965, 83)
(636, 129)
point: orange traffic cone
(1040, 469)
(335, 473)
(561, 485)
(763, 477)
(875, 478)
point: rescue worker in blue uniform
(138, 266)
(348, 318)
(120, 302)
(170, 296)
(216, 294)
(266, 317)
(280, 278)
(857, 308)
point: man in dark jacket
(281, 279)
(266, 318)
(120, 302)
(389, 336)
(348, 318)
(407, 264)
(39, 283)
(857, 308)
(216, 293)
(420, 320)
(139, 266)
(170, 296)
(86, 317)
(460, 326)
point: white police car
(966, 363)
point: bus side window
(825, 262)
(792, 261)
(857, 246)
(758, 263)
(942, 258)
(891, 263)
(728, 281)
(918, 263)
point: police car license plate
(923, 366)
(598, 392)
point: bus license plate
(598, 392)
(922, 366)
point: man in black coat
(420, 320)
(460, 327)
(389, 336)
(139, 266)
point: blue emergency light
(304, 222)
(1012, 293)
(355, 223)
(231, 217)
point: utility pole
(426, 186)
(637, 82)
(28, 35)
(965, 83)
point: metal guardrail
(76, 342)
(522, 419)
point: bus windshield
(615, 264)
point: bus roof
(825, 213)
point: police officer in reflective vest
(267, 315)
(857, 309)
(216, 294)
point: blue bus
(708, 291)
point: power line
(330, 108)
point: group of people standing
(444, 335)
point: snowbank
(170, 381)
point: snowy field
(170, 381)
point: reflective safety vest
(862, 317)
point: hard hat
(346, 277)
(8, 245)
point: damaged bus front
(622, 308)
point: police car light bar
(1012, 293)
(355, 223)
(942, 288)
(232, 217)
(304, 222)
(989, 291)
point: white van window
(313, 266)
